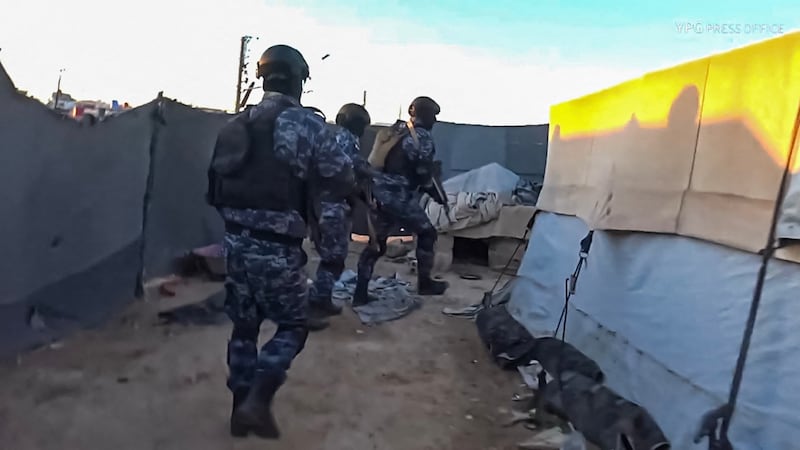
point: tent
(677, 173)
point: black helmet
(351, 112)
(354, 117)
(423, 104)
(282, 59)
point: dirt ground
(419, 383)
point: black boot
(361, 295)
(238, 429)
(316, 323)
(324, 307)
(255, 412)
(428, 286)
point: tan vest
(385, 141)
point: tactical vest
(397, 162)
(387, 151)
(246, 174)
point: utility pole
(58, 90)
(364, 101)
(242, 54)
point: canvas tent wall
(86, 211)
(677, 172)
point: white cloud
(189, 49)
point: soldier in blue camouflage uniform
(335, 212)
(407, 170)
(258, 181)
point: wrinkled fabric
(527, 192)
(301, 137)
(265, 281)
(392, 298)
(467, 209)
(334, 234)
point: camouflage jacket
(305, 142)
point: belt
(262, 235)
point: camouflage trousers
(265, 281)
(334, 236)
(399, 207)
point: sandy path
(420, 383)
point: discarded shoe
(429, 286)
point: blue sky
(582, 29)
(518, 57)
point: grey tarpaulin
(663, 317)
(523, 149)
(489, 178)
(392, 298)
(71, 207)
(178, 218)
(493, 177)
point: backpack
(385, 141)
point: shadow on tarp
(718, 182)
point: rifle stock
(365, 198)
(440, 192)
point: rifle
(313, 215)
(365, 197)
(438, 194)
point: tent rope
(710, 426)
(488, 295)
(570, 284)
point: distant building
(65, 102)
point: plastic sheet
(663, 316)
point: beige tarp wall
(697, 149)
